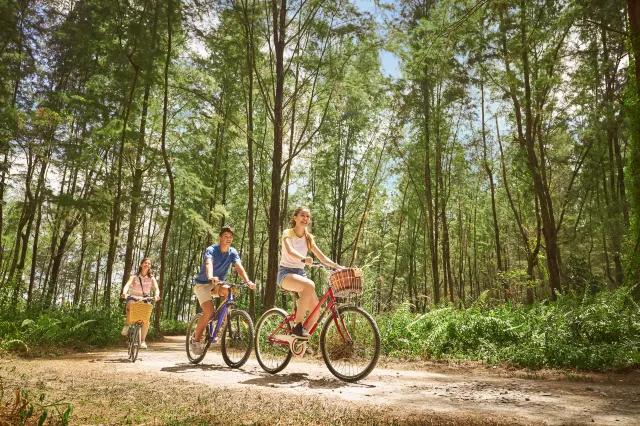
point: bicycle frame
(218, 315)
(331, 305)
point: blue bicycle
(232, 327)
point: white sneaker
(143, 345)
(196, 348)
(125, 330)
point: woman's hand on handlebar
(123, 296)
(322, 265)
(307, 260)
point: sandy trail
(478, 391)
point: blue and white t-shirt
(221, 263)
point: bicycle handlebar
(323, 266)
(147, 299)
(227, 284)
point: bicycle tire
(191, 332)
(237, 339)
(272, 357)
(359, 356)
(137, 339)
(130, 341)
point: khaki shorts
(203, 292)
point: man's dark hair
(225, 228)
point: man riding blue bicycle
(215, 266)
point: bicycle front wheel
(272, 357)
(237, 339)
(350, 344)
(134, 339)
(130, 341)
(205, 340)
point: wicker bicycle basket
(140, 311)
(346, 282)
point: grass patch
(137, 398)
(532, 375)
(578, 377)
(22, 407)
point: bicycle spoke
(237, 339)
(350, 345)
(272, 357)
(191, 333)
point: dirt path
(448, 391)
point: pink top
(137, 291)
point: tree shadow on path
(186, 368)
(117, 361)
(299, 379)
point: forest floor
(163, 388)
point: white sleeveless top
(299, 245)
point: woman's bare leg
(145, 330)
(306, 290)
(127, 310)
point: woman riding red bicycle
(349, 339)
(296, 242)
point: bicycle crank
(297, 346)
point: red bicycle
(349, 340)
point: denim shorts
(284, 271)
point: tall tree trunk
(633, 7)
(532, 252)
(487, 168)
(6, 145)
(366, 204)
(114, 222)
(279, 39)
(94, 298)
(34, 254)
(248, 31)
(167, 166)
(395, 260)
(138, 172)
(432, 230)
(25, 214)
(80, 272)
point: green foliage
(598, 331)
(171, 327)
(37, 332)
(26, 409)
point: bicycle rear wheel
(205, 340)
(272, 357)
(351, 345)
(135, 332)
(237, 339)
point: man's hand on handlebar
(251, 284)
(214, 280)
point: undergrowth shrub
(599, 331)
(78, 329)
